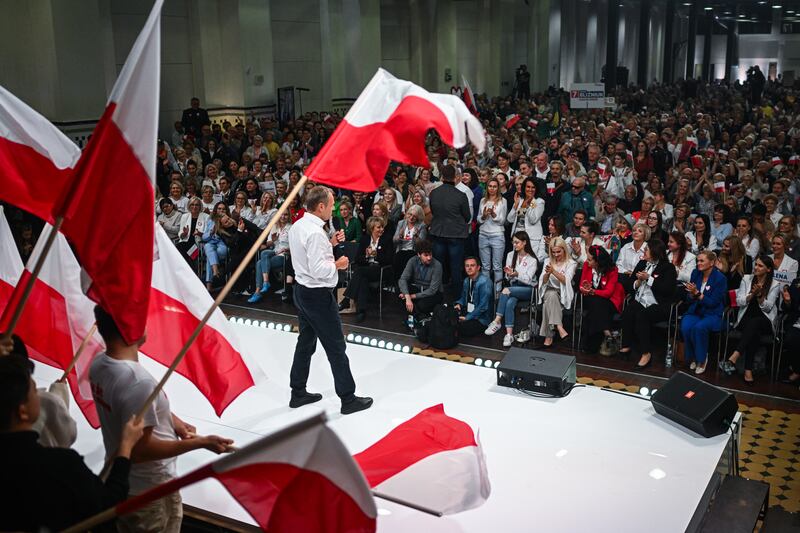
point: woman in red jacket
(602, 296)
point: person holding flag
(120, 387)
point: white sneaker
(700, 369)
(508, 340)
(523, 336)
(693, 366)
(494, 327)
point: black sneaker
(344, 304)
(299, 400)
(355, 405)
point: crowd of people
(564, 206)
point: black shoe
(299, 400)
(637, 366)
(344, 304)
(361, 316)
(355, 405)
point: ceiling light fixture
(708, 8)
(777, 6)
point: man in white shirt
(316, 278)
(120, 387)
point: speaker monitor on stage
(705, 409)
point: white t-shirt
(119, 389)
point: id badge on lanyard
(470, 305)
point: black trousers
(752, 326)
(358, 289)
(318, 315)
(470, 328)
(599, 313)
(424, 305)
(637, 321)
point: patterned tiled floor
(769, 450)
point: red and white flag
(691, 142)
(602, 168)
(112, 233)
(178, 301)
(469, 97)
(723, 152)
(511, 120)
(794, 160)
(57, 316)
(36, 158)
(719, 186)
(710, 152)
(299, 479)
(629, 154)
(433, 460)
(697, 161)
(389, 122)
(775, 161)
(533, 123)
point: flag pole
(405, 503)
(174, 485)
(26, 292)
(223, 294)
(78, 353)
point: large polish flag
(301, 478)
(57, 317)
(432, 460)
(389, 122)
(178, 301)
(36, 158)
(109, 207)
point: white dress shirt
(644, 290)
(629, 257)
(312, 253)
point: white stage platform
(593, 461)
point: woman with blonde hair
(556, 293)
(733, 261)
(410, 230)
(265, 210)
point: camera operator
(756, 82)
(523, 79)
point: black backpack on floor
(442, 329)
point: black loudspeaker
(705, 409)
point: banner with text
(587, 96)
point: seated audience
(473, 305)
(170, 218)
(218, 229)
(757, 303)
(410, 230)
(785, 266)
(733, 261)
(375, 251)
(520, 276)
(420, 282)
(272, 257)
(681, 258)
(652, 284)
(701, 238)
(706, 293)
(555, 290)
(602, 296)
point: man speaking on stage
(317, 313)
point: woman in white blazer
(526, 212)
(757, 300)
(555, 293)
(785, 266)
(185, 229)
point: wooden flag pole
(26, 293)
(223, 294)
(78, 353)
(187, 479)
